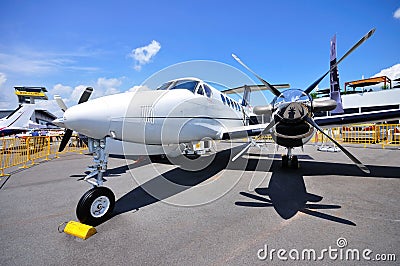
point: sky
(114, 46)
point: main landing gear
(290, 160)
(97, 204)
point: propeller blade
(65, 139)
(60, 103)
(269, 86)
(351, 156)
(242, 151)
(270, 125)
(252, 142)
(85, 95)
(363, 39)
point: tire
(95, 206)
(161, 158)
(285, 161)
(192, 156)
(294, 162)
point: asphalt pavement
(250, 211)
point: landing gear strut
(97, 204)
(290, 160)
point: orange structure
(368, 82)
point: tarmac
(248, 212)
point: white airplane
(17, 121)
(181, 113)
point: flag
(334, 77)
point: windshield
(165, 86)
(185, 84)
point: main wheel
(285, 161)
(95, 206)
(294, 162)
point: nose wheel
(95, 206)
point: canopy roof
(368, 82)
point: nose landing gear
(290, 160)
(97, 204)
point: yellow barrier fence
(25, 152)
(383, 134)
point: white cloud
(61, 90)
(392, 72)
(108, 83)
(397, 14)
(3, 79)
(143, 55)
(8, 100)
(106, 86)
(25, 61)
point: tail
(19, 117)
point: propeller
(68, 132)
(60, 103)
(85, 95)
(269, 86)
(363, 39)
(351, 156)
(306, 117)
(252, 142)
(65, 139)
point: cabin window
(208, 91)
(223, 99)
(185, 84)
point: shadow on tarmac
(286, 191)
(168, 184)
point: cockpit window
(165, 86)
(207, 90)
(200, 90)
(185, 84)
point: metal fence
(383, 134)
(25, 152)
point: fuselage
(179, 111)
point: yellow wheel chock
(77, 229)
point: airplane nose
(90, 118)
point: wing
(243, 131)
(254, 88)
(339, 120)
